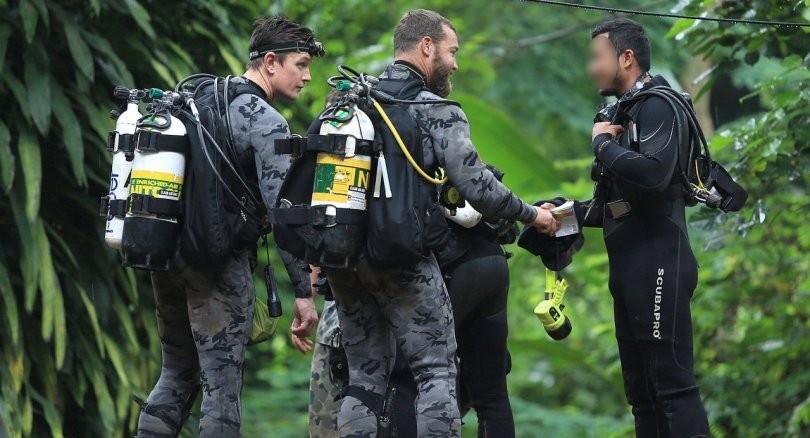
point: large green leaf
(27, 416)
(111, 64)
(29, 254)
(38, 87)
(79, 49)
(66, 250)
(42, 10)
(6, 158)
(125, 320)
(48, 282)
(31, 163)
(18, 90)
(49, 410)
(71, 134)
(114, 352)
(235, 66)
(94, 369)
(96, 4)
(9, 304)
(29, 15)
(5, 32)
(92, 315)
(141, 16)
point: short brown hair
(624, 34)
(275, 30)
(417, 24)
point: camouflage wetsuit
(204, 316)
(477, 279)
(328, 375)
(409, 309)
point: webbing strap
(335, 144)
(112, 207)
(153, 141)
(317, 215)
(147, 204)
(372, 400)
(121, 142)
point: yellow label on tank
(342, 182)
(157, 184)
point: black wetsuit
(653, 272)
(478, 283)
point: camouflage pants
(380, 311)
(204, 319)
(324, 390)
(328, 375)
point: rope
(668, 15)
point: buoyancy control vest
(187, 187)
(388, 210)
(698, 178)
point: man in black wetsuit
(653, 272)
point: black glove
(555, 252)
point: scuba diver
(404, 310)
(477, 277)
(204, 315)
(641, 147)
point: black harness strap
(334, 144)
(112, 207)
(317, 215)
(152, 141)
(147, 204)
(373, 401)
(121, 142)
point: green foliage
(77, 335)
(78, 332)
(754, 316)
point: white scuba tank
(149, 239)
(343, 182)
(121, 168)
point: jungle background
(77, 331)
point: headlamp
(314, 48)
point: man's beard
(612, 90)
(440, 83)
(609, 92)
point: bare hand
(545, 222)
(305, 319)
(606, 128)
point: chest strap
(318, 215)
(335, 144)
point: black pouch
(734, 196)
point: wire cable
(667, 14)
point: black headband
(314, 48)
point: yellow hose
(442, 177)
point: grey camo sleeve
(255, 121)
(450, 130)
